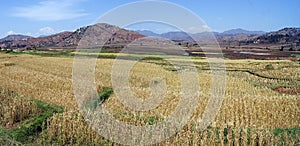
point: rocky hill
(72, 39)
(15, 37)
(283, 36)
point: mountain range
(121, 37)
(179, 34)
(283, 36)
(241, 31)
(232, 35)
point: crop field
(261, 104)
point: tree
(281, 48)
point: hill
(283, 36)
(71, 39)
(15, 37)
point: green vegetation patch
(64, 53)
(290, 131)
(28, 128)
(104, 95)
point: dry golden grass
(248, 101)
(14, 109)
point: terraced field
(260, 107)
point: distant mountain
(230, 35)
(72, 39)
(15, 37)
(147, 33)
(241, 31)
(177, 35)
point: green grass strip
(104, 95)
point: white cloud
(46, 30)
(205, 27)
(50, 10)
(10, 32)
(40, 32)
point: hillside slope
(71, 39)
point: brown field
(255, 110)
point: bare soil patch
(291, 91)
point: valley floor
(260, 106)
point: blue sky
(44, 17)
